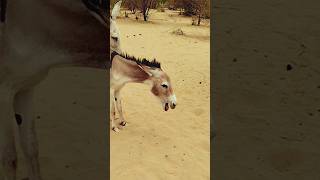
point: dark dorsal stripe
(3, 9)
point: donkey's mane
(142, 61)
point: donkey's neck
(127, 71)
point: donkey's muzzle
(173, 105)
(166, 107)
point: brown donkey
(128, 69)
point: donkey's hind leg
(25, 117)
(8, 155)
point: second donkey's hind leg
(25, 116)
(8, 156)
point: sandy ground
(160, 145)
(267, 117)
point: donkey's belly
(18, 76)
(27, 79)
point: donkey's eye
(164, 85)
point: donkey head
(161, 87)
(114, 30)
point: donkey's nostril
(115, 38)
(173, 105)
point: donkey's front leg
(113, 114)
(8, 155)
(119, 108)
(25, 116)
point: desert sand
(266, 114)
(156, 145)
(159, 145)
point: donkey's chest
(117, 80)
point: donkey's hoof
(115, 129)
(123, 123)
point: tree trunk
(199, 20)
(145, 16)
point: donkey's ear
(155, 72)
(146, 69)
(116, 10)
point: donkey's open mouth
(166, 107)
(171, 105)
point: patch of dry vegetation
(178, 32)
(198, 9)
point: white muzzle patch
(173, 101)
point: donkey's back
(39, 34)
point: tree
(198, 8)
(132, 5)
(145, 6)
